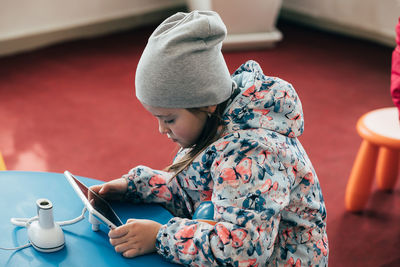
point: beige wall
(27, 24)
(370, 19)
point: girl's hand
(113, 190)
(136, 237)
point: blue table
(83, 247)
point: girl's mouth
(172, 139)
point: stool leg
(386, 168)
(361, 177)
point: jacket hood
(264, 102)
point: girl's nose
(162, 128)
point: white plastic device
(44, 234)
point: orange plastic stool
(378, 156)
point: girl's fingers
(125, 247)
(132, 252)
(136, 237)
(117, 242)
(96, 188)
(130, 221)
(106, 188)
(119, 231)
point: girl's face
(180, 125)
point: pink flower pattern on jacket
(267, 199)
(395, 73)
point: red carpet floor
(72, 106)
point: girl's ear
(211, 109)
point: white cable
(25, 222)
(77, 219)
(20, 247)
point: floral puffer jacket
(395, 74)
(267, 198)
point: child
(239, 149)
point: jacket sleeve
(395, 74)
(250, 189)
(153, 186)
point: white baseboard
(257, 40)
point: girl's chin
(183, 145)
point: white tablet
(95, 204)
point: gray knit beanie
(182, 65)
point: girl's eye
(169, 121)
